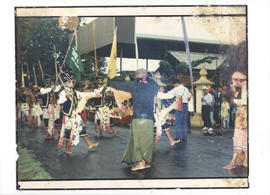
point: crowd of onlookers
(218, 110)
(223, 109)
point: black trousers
(206, 116)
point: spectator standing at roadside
(218, 103)
(211, 91)
(225, 115)
(206, 104)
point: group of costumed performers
(64, 110)
(28, 107)
(73, 102)
(144, 92)
(51, 110)
(37, 112)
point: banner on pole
(55, 63)
(187, 49)
(113, 56)
(35, 76)
(41, 70)
(73, 60)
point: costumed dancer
(29, 99)
(141, 141)
(73, 103)
(103, 114)
(162, 124)
(23, 107)
(183, 96)
(36, 108)
(36, 113)
(239, 90)
(51, 111)
(104, 120)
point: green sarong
(141, 142)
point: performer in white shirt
(179, 91)
(51, 111)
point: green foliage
(35, 39)
(182, 68)
(89, 65)
(207, 59)
(28, 167)
(166, 69)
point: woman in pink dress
(240, 132)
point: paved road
(198, 157)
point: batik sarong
(76, 123)
(51, 113)
(240, 134)
(141, 142)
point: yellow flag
(113, 56)
(41, 70)
(23, 75)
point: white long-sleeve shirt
(99, 90)
(191, 105)
(179, 90)
(80, 95)
(49, 89)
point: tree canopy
(35, 40)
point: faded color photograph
(146, 97)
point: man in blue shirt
(141, 141)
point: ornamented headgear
(99, 80)
(66, 22)
(67, 75)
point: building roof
(150, 46)
(182, 57)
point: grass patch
(28, 167)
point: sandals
(141, 165)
